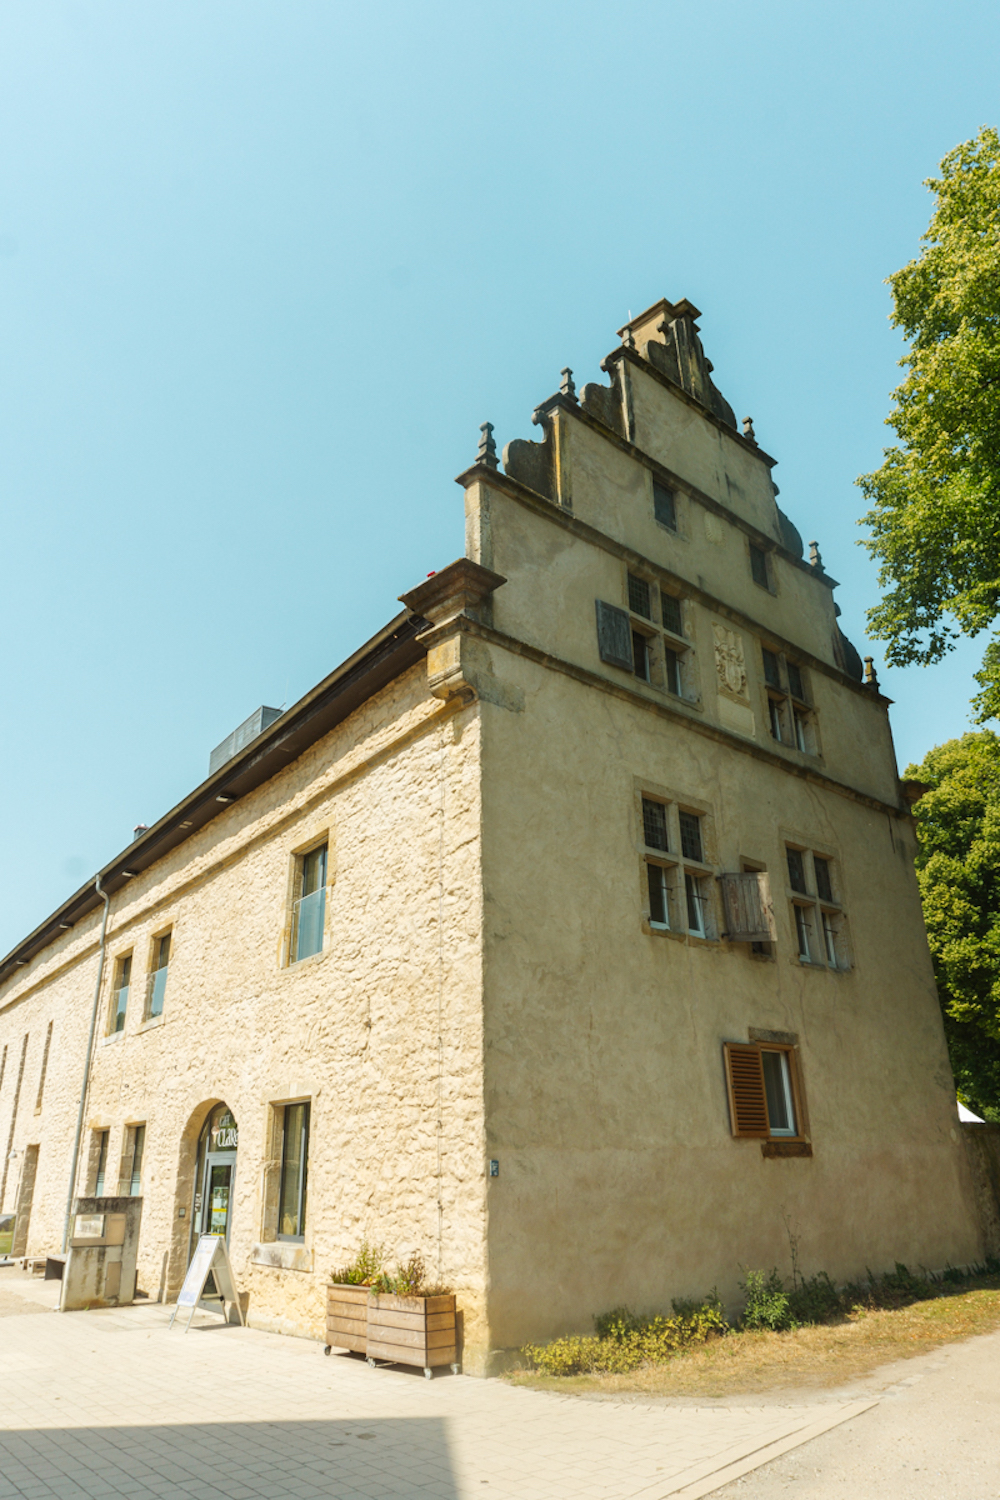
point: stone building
(568, 932)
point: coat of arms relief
(730, 663)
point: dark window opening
(774, 716)
(640, 655)
(664, 508)
(671, 609)
(654, 824)
(691, 836)
(656, 878)
(672, 665)
(772, 669)
(824, 888)
(795, 681)
(758, 566)
(796, 870)
(639, 597)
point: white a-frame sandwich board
(211, 1255)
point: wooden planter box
(413, 1331)
(347, 1318)
(404, 1330)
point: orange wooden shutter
(745, 1081)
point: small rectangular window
(672, 670)
(778, 1090)
(795, 681)
(158, 976)
(640, 655)
(309, 908)
(802, 925)
(664, 506)
(830, 940)
(796, 870)
(695, 902)
(671, 610)
(691, 846)
(801, 743)
(135, 1147)
(758, 566)
(120, 989)
(654, 824)
(824, 889)
(762, 1083)
(774, 718)
(101, 1165)
(659, 902)
(772, 669)
(639, 601)
(294, 1172)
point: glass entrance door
(215, 1176)
(218, 1197)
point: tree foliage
(958, 867)
(935, 516)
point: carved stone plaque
(730, 663)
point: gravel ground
(935, 1435)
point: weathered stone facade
(499, 981)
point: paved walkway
(111, 1403)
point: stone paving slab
(113, 1403)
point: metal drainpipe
(86, 1067)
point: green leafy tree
(935, 516)
(958, 867)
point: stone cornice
(677, 713)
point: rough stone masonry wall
(382, 1030)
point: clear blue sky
(265, 267)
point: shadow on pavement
(342, 1459)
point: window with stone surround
(791, 717)
(156, 983)
(765, 1089)
(120, 984)
(648, 638)
(678, 882)
(818, 918)
(130, 1171)
(308, 903)
(294, 1172)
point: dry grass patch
(745, 1362)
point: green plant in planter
(364, 1270)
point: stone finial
(567, 386)
(815, 561)
(748, 431)
(628, 337)
(487, 447)
(871, 679)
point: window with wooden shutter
(614, 635)
(747, 1096)
(749, 911)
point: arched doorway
(215, 1175)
